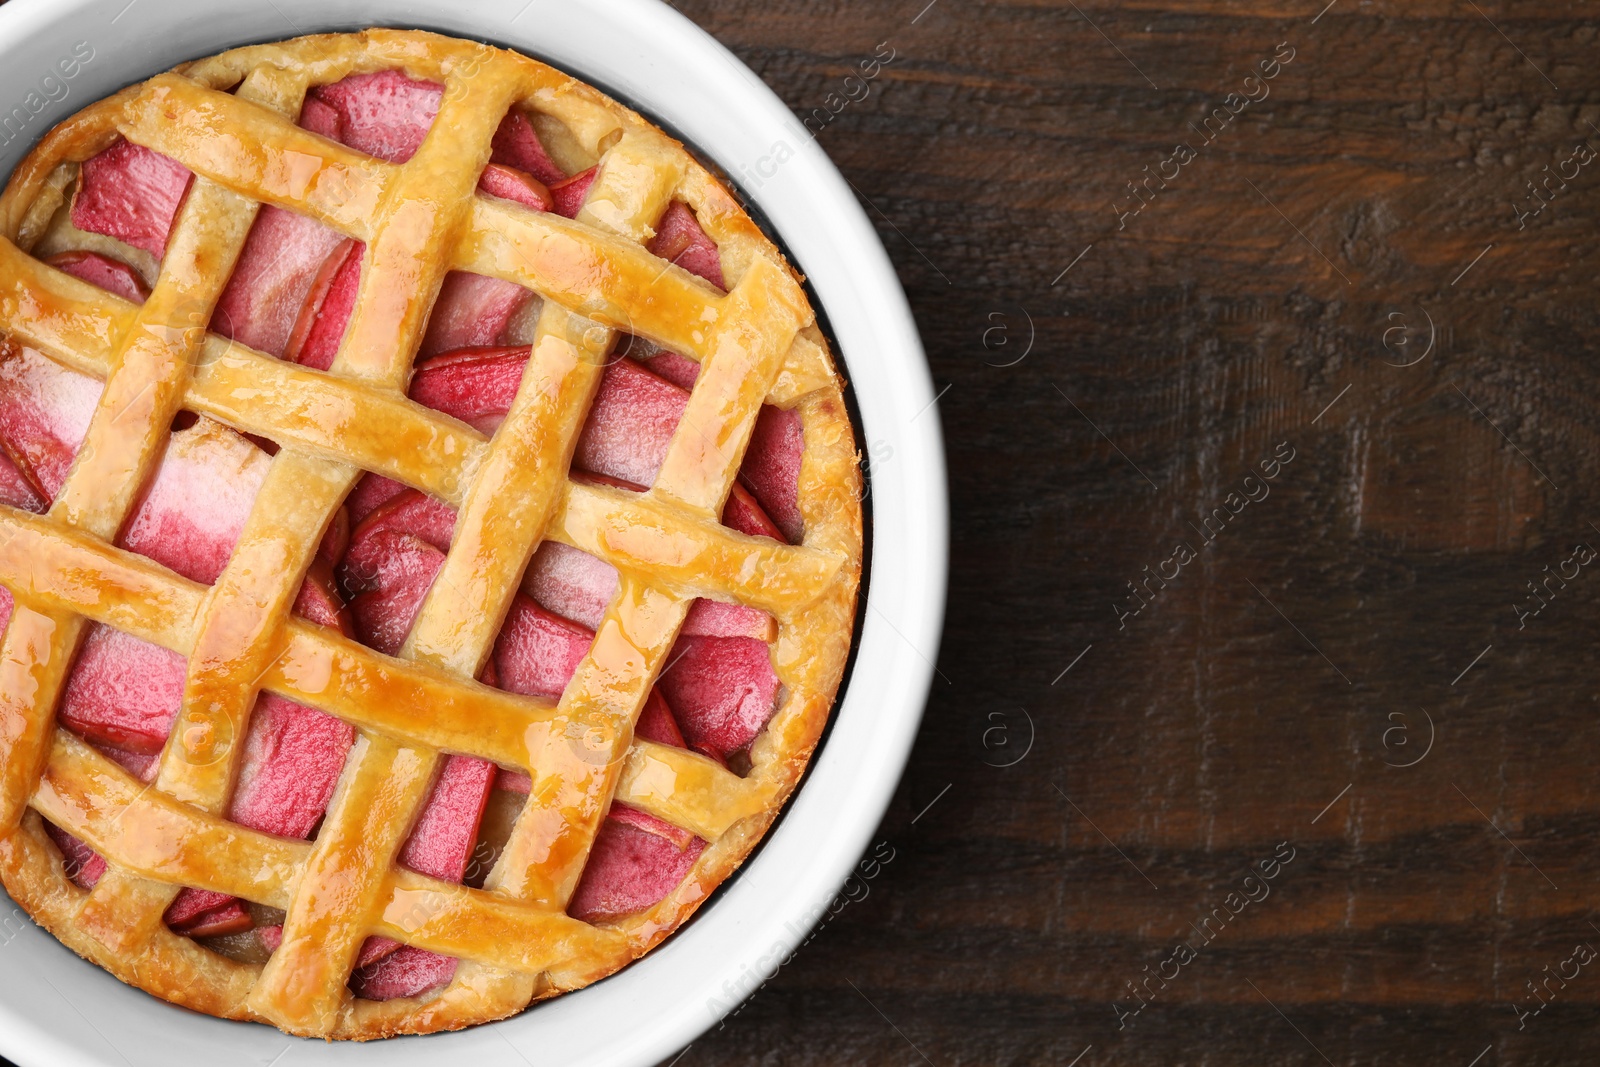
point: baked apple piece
(130, 193)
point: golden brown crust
(757, 343)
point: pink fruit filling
(508, 183)
(721, 670)
(277, 271)
(291, 295)
(130, 193)
(517, 145)
(471, 310)
(103, 271)
(680, 240)
(570, 193)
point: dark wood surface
(1264, 700)
(1302, 654)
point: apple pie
(430, 532)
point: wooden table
(1335, 272)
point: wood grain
(1268, 694)
(1307, 647)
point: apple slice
(630, 424)
(277, 268)
(475, 385)
(657, 723)
(142, 765)
(320, 117)
(510, 183)
(442, 840)
(292, 759)
(405, 972)
(192, 904)
(679, 370)
(406, 511)
(571, 583)
(231, 918)
(112, 275)
(630, 868)
(15, 489)
(517, 145)
(679, 239)
(320, 325)
(130, 193)
(44, 414)
(192, 512)
(472, 310)
(371, 491)
(570, 193)
(714, 618)
(395, 553)
(383, 114)
(410, 511)
(123, 691)
(319, 599)
(723, 690)
(771, 468)
(744, 514)
(83, 864)
(537, 652)
(388, 582)
(643, 820)
(336, 539)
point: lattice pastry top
(433, 525)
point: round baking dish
(57, 1009)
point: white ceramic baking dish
(58, 1010)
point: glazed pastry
(430, 535)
